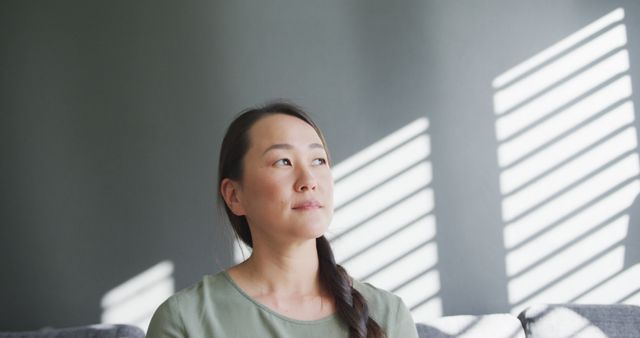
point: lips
(310, 204)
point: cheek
(269, 193)
(327, 181)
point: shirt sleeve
(166, 321)
(405, 326)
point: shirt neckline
(332, 316)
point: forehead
(280, 128)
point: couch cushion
(575, 320)
(493, 325)
(91, 331)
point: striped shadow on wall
(569, 169)
(384, 225)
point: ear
(230, 191)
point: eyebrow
(288, 146)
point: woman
(276, 186)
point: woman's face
(287, 187)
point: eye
(283, 160)
(322, 160)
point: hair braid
(350, 304)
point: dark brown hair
(351, 305)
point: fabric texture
(92, 331)
(217, 307)
(578, 320)
(492, 325)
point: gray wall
(112, 115)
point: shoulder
(388, 310)
(170, 316)
(377, 298)
(209, 287)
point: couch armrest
(580, 320)
(90, 331)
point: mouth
(307, 205)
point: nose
(306, 181)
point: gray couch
(542, 321)
(91, 331)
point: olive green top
(217, 307)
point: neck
(290, 271)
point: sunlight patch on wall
(134, 301)
(240, 250)
(384, 227)
(569, 169)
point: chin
(315, 231)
